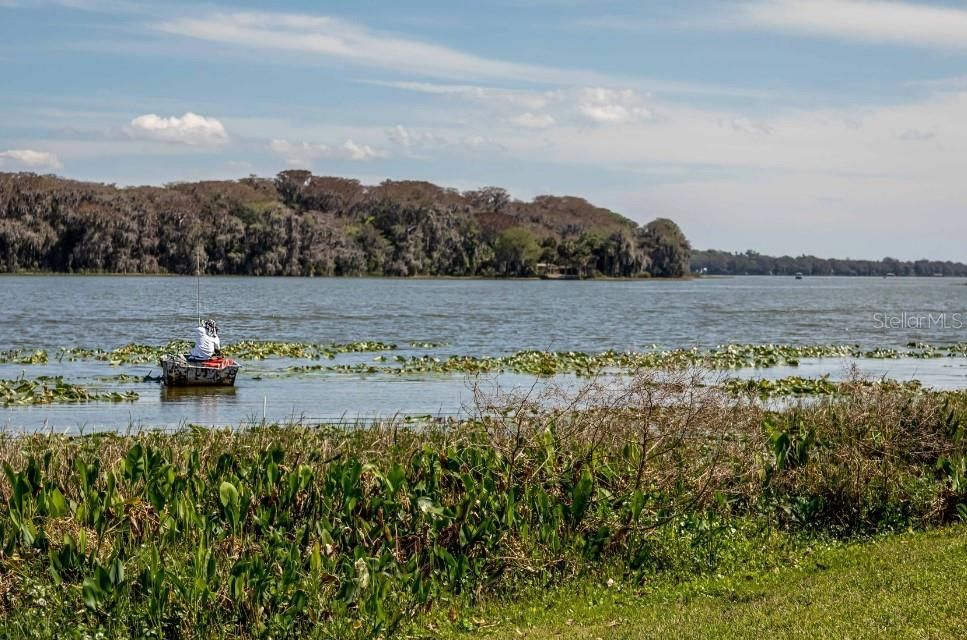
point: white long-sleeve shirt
(205, 345)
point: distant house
(549, 271)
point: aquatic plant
(16, 356)
(47, 390)
(127, 378)
(126, 354)
(242, 350)
(799, 386)
(259, 350)
(731, 356)
(791, 385)
(541, 363)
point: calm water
(472, 316)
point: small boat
(799, 275)
(180, 371)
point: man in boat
(206, 341)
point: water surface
(476, 317)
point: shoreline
(112, 274)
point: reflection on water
(474, 317)
(206, 404)
(199, 395)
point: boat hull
(181, 372)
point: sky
(829, 127)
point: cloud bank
(904, 23)
(346, 41)
(302, 154)
(32, 159)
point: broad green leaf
(228, 494)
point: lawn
(910, 585)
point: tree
(516, 252)
(301, 224)
(668, 249)
(489, 198)
(290, 185)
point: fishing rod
(197, 290)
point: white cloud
(609, 106)
(405, 137)
(855, 141)
(240, 165)
(100, 6)
(819, 173)
(917, 135)
(299, 154)
(190, 128)
(723, 170)
(905, 23)
(479, 143)
(32, 159)
(530, 120)
(281, 146)
(400, 135)
(950, 83)
(304, 153)
(342, 40)
(543, 108)
(747, 125)
(474, 142)
(362, 151)
(519, 98)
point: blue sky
(833, 127)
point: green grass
(898, 586)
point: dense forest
(301, 224)
(752, 263)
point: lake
(473, 317)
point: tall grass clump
(876, 458)
(353, 531)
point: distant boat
(799, 275)
(890, 275)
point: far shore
(347, 277)
(693, 276)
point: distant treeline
(754, 264)
(300, 224)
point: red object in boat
(218, 362)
